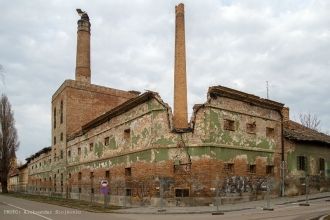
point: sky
(237, 44)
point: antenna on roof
(267, 88)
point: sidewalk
(224, 208)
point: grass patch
(70, 203)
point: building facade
(236, 143)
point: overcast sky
(238, 44)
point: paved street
(20, 209)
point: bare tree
(8, 141)
(310, 121)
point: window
(270, 132)
(79, 150)
(50, 160)
(61, 176)
(251, 128)
(69, 175)
(229, 167)
(92, 190)
(54, 117)
(128, 192)
(301, 163)
(181, 192)
(69, 153)
(229, 125)
(252, 168)
(127, 133)
(61, 137)
(106, 141)
(79, 176)
(322, 166)
(91, 146)
(54, 140)
(55, 156)
(79, 190)
(40, 164)
(61, 111)
(107, 174)
(61, 154)
(269, 169)
(128, 171)
(91, 175)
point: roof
(297, 132)
(222, 91)
(118, 110)
(44, 150)
(22, 166)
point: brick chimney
(83, 64)
(180, 116)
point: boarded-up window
(128, 171)
(269, 169)
(229, 125)
(251, 128)
(270, 132)
(181, 192)
(106, 141)
(301, 163)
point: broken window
(127, 133)
(251, 128)
(128, 192)
(269, 169)
(252, 168)
(229, 125)
(107, 174)
(322, 166)
(181, 192)
(229, 167)
(54, 117)
(106, 141)
(301, 163)
(91, 146)
(128, 171)
(61, 111)
(270, 132)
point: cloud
(239, 44)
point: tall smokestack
(180, 118)
(83, 64)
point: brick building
(235, 142)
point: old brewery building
(234, 141)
